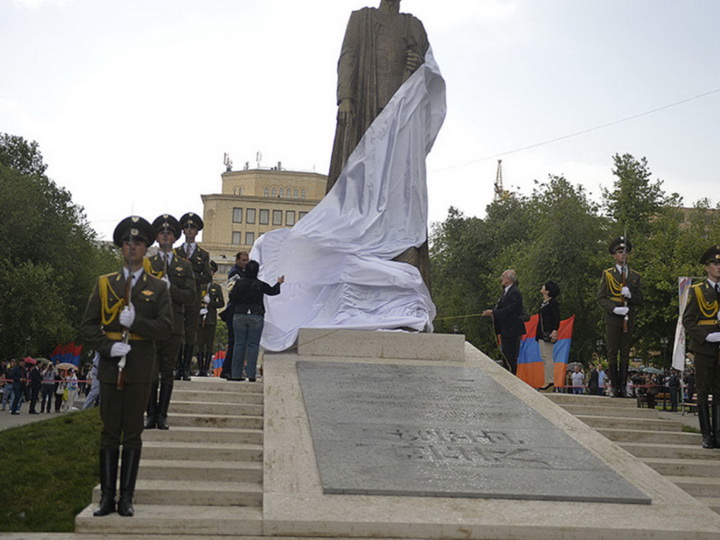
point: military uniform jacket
(609, 295)
(216, 302)
(182, 285)
(200, 262)
(100, 327)
(700, 318)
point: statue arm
(348, 61)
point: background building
(252, 202)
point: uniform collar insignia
(147, 293)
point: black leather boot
(165, 393)
(128, 476)
(705, 427)
(715, 413)
(187, 361)
(151, 421)
(108, 481)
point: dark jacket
(247, 296)
(508, 313)
(549, 318)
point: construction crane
(500, 193)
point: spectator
(71, 383)
(93, 397)
(6, 383)
(602, 380)
(578, 380)
(48, 385)
(247, 295)
(690, 382)
(18, 375)
(673, 384)
(35, 385)
(593, 381)
(59, 390)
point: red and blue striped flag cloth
(530, 366)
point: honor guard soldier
(128, 311)
(169, 266)
(619, 296)
(701, 320)
(199, 259)
(212, 300)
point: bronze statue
(381, 49)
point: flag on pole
(530, 365)
(678, 356)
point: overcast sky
(134, 102)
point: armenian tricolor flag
(530, 366)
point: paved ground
(8, 420)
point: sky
(135, 102)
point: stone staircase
(659, 443)
(204, 475)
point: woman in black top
(247, 295)
(547, 331)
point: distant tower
(500, 193)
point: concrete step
(215, 384)
(206, 493)
(658, 437)
(204, 434)
(201, 451)
(209, 408)
(216, 420)
(200, 471)
(218, 397)
(617, 412)
(703, 468)
(645, 424)
(670, 451)
(175, 520)
(595, 401)
(696, 486)
(713, 503)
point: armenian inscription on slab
(445, 432)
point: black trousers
(510, 347)
(707, 376)
(618, 343)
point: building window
(290, 218)
(277, 217)
(224, 268)
(302, 214)
(274, 192)
(295, 193)
(264, 216)
(288, 193)
(266, 192)
(237, 237)
(237, 215)
(249, 238)
(239, 191)
(250, 216)
(303, 195)
(282, 193)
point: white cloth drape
(337, 259)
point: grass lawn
(47, 472)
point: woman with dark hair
(248, 297)
(547, 331)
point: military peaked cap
(191, 219)
(133, 227)
(711, 254)
(620, 243)
(213, 266)
(166, 221)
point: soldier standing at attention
(123, 333)
(701, 320)
(169, 266)
(619, 295)
(199, 259)
(212, 300)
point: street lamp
(664, 343)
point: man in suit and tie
(619, 295)
(508, 319)
(701, 320)
(125, 333)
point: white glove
(621, 310)
(206, 298)
(203, 311)
(127, 316)
(626, 292)
(713, 337)
(120, 349)
(167, 281)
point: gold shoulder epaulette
(106, 292)
(708, 310)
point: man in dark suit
(701, 320)
(508, 319)
(169, 266)
(619, 295)
(199, 259)
(124, 335)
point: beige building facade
(253, 202)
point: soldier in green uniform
(619, 295)
(124, 334)
(212, 300)
(200, 261)
(169, 266)
(701, 320)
